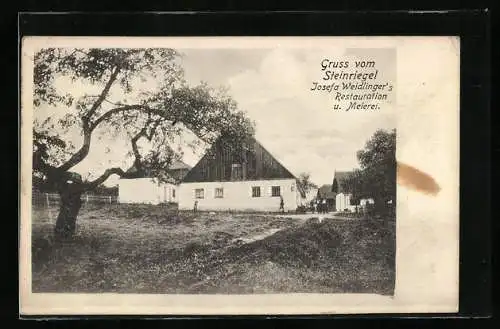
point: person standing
(282, 204)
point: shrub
(301, 210)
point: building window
(219, 192)
(256, 191)
(199, 193)
(173, 193)
(236, 171)
(275, 191)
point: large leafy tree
(137, 93)
(377, 176)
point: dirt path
(119, 249)
(252, 238)
(305, 217)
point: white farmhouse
(250, 180)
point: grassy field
(149, 249)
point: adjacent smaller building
(337, 194)
(343, 194)
(144, 187)
(325, 192)
(146, 190)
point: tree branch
(88, 128)
(135, 149)
(156, 123)
(136, 138)
(114, 111)
(106, 100)
(41, 166)
(126, 108)
(111, 171)
(103, 94)
(81, 153)
(137, 162)
(87, 136)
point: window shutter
(270, 191)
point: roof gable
(341, 175)
(178, 164)
(339, 178)
(255, 161)
(170, 175)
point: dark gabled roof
(164, 175)
(341, 175)
(178, 164)
(134, 172)
(286, 173)
(216, 164)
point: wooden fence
(52, 199)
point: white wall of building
(364, 202)
(342, 202)
(146, 190)
(238, 195)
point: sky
(272, 85)
(296, 125)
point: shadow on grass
(327, 257)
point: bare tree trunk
(70, 206)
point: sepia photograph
(216, 169)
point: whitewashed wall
(364, 202)
(146, 190)
(342, 202)
(238, 196)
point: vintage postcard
(239, 175)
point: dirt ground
(150, 249)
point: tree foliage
(156, 114)
(335, 185)
(377, 177)
(137, 93)
(304, 183)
